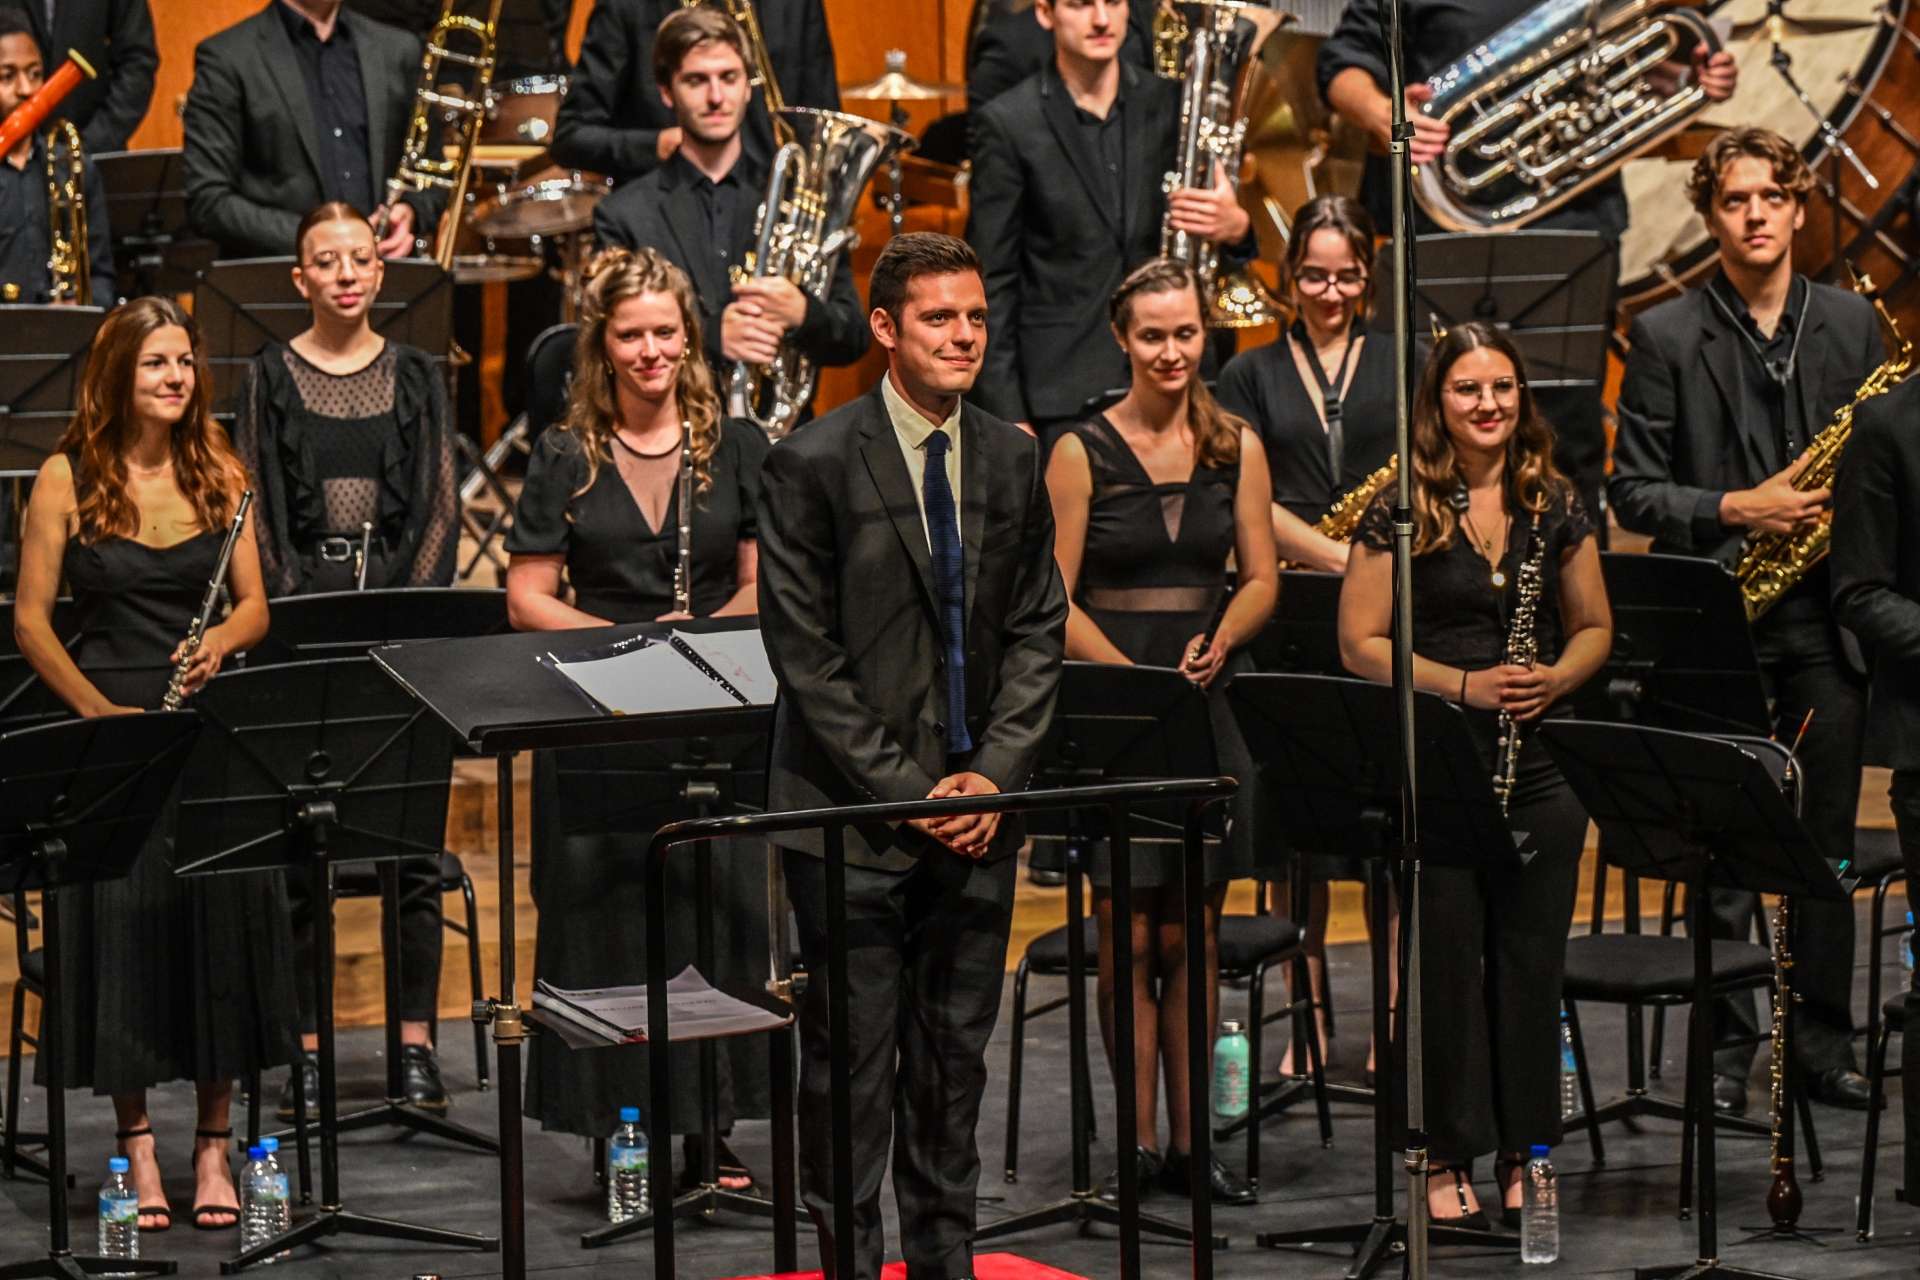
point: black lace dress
(167, 977)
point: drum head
(551, 203)
(522, 112)
(495, 268)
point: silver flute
(1523, 647)
(683, 566)
(197, 630)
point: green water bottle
(1232, 1081)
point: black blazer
(252, 153)
(1876, 566)
(662, 210)
(116, 37)
(1685, 436)
(611, 119)
(847, 611)
(1005, 45)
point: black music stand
(300, 767)
(1706, 813)
(43, 352)
(1301, 638)
(155, 249)
(1111, 724)
(77, 803)
(1330, 759)
(24, 699)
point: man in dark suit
(298, 105)
(916, 620)
(615, 120)
(1876, 594)
(698, 209)
(1006, 44)
(1067, 198)
(116, 39)
(1725, 388)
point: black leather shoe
(1841, 1087)
(1228, 1186)
(1729, 1095)
(309, 1069)
(1146, 1169)
(1047, 864)
(420, 1079)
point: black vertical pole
(1077, 1010)
(1125, 1118)
(839, 1054)
(659, 1063)
(507, 1032)
(1199, 1038)
(320, 869)
(391, 959)
(52, 1056)
(780, 1050)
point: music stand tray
(155, 249)
(78, 800)
(43, 352)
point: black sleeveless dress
(167, 977)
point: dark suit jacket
(612, 117)
(116, 37)
(1876, 566)
(847, 611)
(252, 155)
(661, 210)
(26, 246)
(1006, 44)
(530, 40)
(1686, 437)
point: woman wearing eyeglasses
(1488, 503)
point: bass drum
(1858, 62)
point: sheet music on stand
(43, 353)
(592, 1017)
(646, 675)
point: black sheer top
(621, 568)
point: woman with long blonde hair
(167, 978)
(600, 512)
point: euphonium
(1771, 563)
(760, 73)
(69, 264)
(1553, 103)
(438, 153)
(1221, 39)
(804, 226)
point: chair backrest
(549, 377)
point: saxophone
(197, 629)
(1771, 563)
(1343, 517)
(1523, 646)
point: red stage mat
(990, 1266)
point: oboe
(1523, 646)
(197, 630)
(683, 567)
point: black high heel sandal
(1504, 1168)
(1476, 1220)
(146, 1210)
(202, 1212)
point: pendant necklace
(1498, 576)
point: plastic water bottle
(1231, 1064)
(1569, 1071)
(281, 1202)
(1906, 947)
(1540, 1213)
(119, 1214)
(627, 1185)
(264, 1208)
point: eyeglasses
(329, 264)
(1505, 390)
(1316, 280)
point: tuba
(804, 226)
(1554, 103)
(438, 153)
(69, 265)
(1221, 38)
(760, 73)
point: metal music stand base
(705, 1201)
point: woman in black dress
(347, 438)
(600, 513)
(1149, 500)
(168, 978)
(1488, 501)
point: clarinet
(197, 630)
(1523, 646)
(683, 567)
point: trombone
(69, 264)
(445, 126)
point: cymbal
(897, 86)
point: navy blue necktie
(950, 586)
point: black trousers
(1493, 957)
(1803, 672)
(926, 960)
(1905, 794)
(420, 934)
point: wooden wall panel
(179, 26)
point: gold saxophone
(1771, 563)
(1343, 517)
(760, 74)
(69, 265)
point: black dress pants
(1906, 816)
(420, 934)
(926, 961)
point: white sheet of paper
(647, 680)
(741, 659)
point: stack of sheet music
(618, 1015)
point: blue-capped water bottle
(119, 1214)
(1540, 1210)
(628, 1187)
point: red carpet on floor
(989, 1266)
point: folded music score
(681, 671)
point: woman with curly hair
(167, 977)
(600, 513)
(1488, 500)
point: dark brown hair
(1789, 167)
(1216, 433)
(208, 473)
(917, 253)
(685, 30)
(1333, 213)
(331, 211)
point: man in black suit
(1006, 44)
(1725, 387)
(1067, 198)
(298, 105)
(916, 620)
(698, 209)
(116, 39)
(1876, 595)
(615, 120)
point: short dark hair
(1710, 170)
(917, 253)
(684, 30)
(14, 22)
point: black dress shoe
(1047, 864)
(1228, 1186)
(1146, 1168)
(420, 1079)
(1841, 1087)
(309, 1069)
(1729, 1095)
